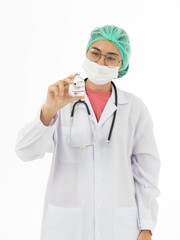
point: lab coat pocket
(125, 225)
(63, 223)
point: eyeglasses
(110, 60)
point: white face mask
(99, 74)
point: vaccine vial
(77, 89)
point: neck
(104, 88)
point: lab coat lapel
(93, 116)
(110, 106)
(109, 109)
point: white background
(41, 39)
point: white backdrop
(40, 39)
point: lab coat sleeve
(146, 168)
(35, 139)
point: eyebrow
(107, 52)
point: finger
(66, 80)
(63, 83)
(53, 89)
(61, 87)
(71, 76)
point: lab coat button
(97, 153)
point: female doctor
(107, 189)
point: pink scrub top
(98, 100)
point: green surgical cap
(119, 37)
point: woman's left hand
(144, 235)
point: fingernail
(61, 93)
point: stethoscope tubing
(114, 115)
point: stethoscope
(89, 114)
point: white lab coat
(97, 192)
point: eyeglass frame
(100, 54)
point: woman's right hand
(58, 95)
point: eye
(95, 53)
(111, 59)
